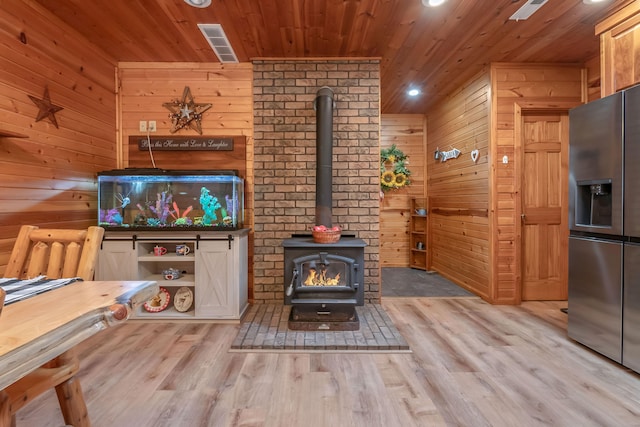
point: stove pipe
(323, 105)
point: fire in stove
(320, 279)
(322, 274)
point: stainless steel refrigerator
(604, 220)
(631, 279)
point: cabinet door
(215, 286)
(117, 261)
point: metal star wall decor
(186, 113)
(46, 110)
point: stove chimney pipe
(323, 104)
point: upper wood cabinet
(620, 49)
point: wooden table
(40, 328)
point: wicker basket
(327, 236)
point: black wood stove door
(324, 276)
(316, 273)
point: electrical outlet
(152, 126)
(143, 125)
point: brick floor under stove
(265, 327)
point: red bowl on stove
(326, 236)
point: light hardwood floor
(472, 364)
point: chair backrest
(55, 253)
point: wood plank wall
(458, 189)
(144, 87)
(408, 133)
(515, 86)
(49, 177)
(473, 208)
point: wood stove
(324, 282)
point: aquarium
(150, 199)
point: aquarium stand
(211, 268)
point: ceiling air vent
(218, 40)
(527, 9)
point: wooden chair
(57, 254)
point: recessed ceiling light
(433, 3)
(413, 92)
(198, 3)
(592, 1)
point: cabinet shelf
(167, 258)
(169, 312)
(184, 280)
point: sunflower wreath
(394, 173)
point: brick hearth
(265, 327)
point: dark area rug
(411, 282)
(265, 328)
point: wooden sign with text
(183, 143)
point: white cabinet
(218, 267)
(117, 261)
(213, 272)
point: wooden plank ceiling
(434, 49)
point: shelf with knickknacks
(418, 234)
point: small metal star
(185, 113)
(47, 110)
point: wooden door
(544, 206)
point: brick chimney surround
(285, 161)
